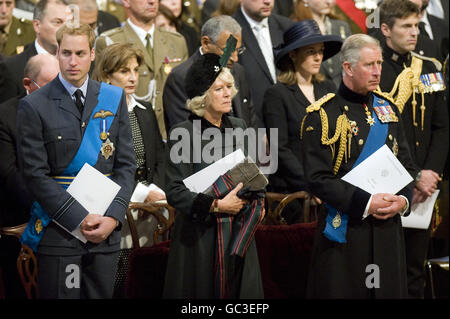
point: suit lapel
(91, 102)
(63, 99)
(158, 52)
(144, 122)
(131, 36)
(251, 43)
(276, 33)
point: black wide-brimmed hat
(304, 33)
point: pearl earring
(305, 4)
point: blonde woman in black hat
(195, 267)
(284, 106)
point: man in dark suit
(15, 200)
(215, 33)
(48, 16)
(52, 128)
(261, 31)
(435, 28)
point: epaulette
(111, 32)
(318, 104)
(384, 95)
(170, 32)
(435, 61)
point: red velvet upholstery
(284, 253)
(146, 271)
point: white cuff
(366, 211)
(407, 206)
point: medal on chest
(384, 111)
(369, 118)
(107, 148)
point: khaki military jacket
(169, 50)
(20, 34)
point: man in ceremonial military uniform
(61, 127)
(162, 49)
(417, 86)
(357, 229)
(14, 33)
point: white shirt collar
(72, 88)
(39, 49)
(263, 23)
(141, 33)
(134, 103)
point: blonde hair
(83, 29)
(197, 104)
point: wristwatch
(418, 176)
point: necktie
(3, 39)
(422, 29)
(78, 102)
(266, 50)
(148, 45)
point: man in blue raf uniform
(358, 229)
(67, 123)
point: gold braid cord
(406, 84)
(342, 129)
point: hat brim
(332, 44)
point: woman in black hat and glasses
(300, 84)
(197, 266)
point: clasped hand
(97, 228)
(385, 205)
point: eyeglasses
(35, 83)
(240, 50)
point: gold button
(59, 137)
(83, 124)
(390, 137)
(361, 141)
(417, 143)
(346, 108)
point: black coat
(253, 61)
(338, 270)
(15, 66)
(190, 268)
(153, 145)
(175, 97)
(284, 108)
(429, 147)
(439, 27)
(15, 200)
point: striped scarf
(234, 234)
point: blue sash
(108, 100)
(375, 139)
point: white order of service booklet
(94, 191)
(381, 172)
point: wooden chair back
(26, 262)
